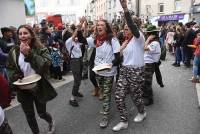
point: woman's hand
(24, 48)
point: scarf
(100, 40)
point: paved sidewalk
(55, 83)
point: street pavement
(175, 109)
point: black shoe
(177, 65)
(161, 85)
(148, 102)
(78, 94)
(174, 64)
(73, 103)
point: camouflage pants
(130, 79)
(148, 77)
(105, 85)
(5, 128)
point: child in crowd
(56, 57)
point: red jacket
(5, 98)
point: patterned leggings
(105, 85)
(129, 79)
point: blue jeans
(183, 55)
(178, 55)
(196, 66)
(161, 39)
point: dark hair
(5, 29)
(156, 33)
(34, 40)
(108, 31)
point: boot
(95, 91)
(100, 95)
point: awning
(171, 17)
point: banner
(29, 7)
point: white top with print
(133, 54)
(105, 54)
(153, 55)
(90, 41)
(76, 51)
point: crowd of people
(131, 50)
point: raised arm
(133, 27)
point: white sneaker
(120, 126)
(140, 117)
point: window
(114, 4)
(161, 7)
(177, 5)
(109, 16)
(148, 9)
(59, 3)
(109, 4)
(44, 3)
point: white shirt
(153, 55)
(2, 116)
(90, 41)
(133, 54)
(76, 51)
(105, 54)
(25, 66)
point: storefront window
(177, 5)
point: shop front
(173, 18)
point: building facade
(165, 11)
(12, 13)
(196, 10)
(70, 10)
(154, 11)
(108, 9)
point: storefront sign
(171, 17)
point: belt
(150, 63)
(133, 66)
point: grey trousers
(76, 65)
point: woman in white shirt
(75, 46)
(131, 71)
(27, 58)
(151, 58)
(107, 52)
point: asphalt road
(175, 109)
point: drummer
(27, 58)
(107, 51)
